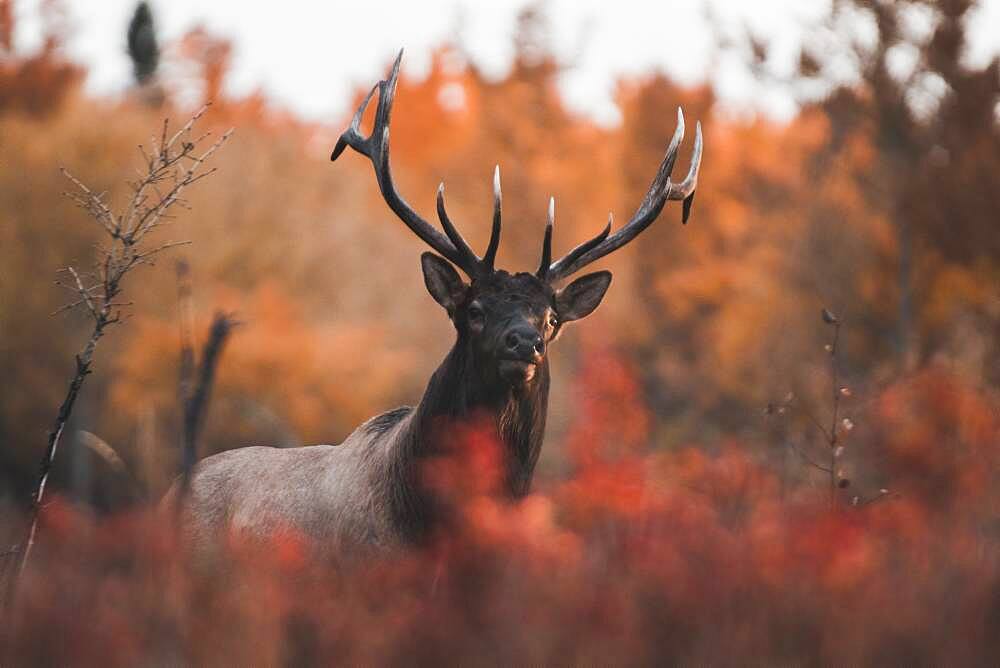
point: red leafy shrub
(637, 557)
(940, 441)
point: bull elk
(368, 489)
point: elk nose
(524, 342)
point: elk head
(508, 320)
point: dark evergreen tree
(142, 46)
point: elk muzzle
(521, 348)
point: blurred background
(851, 162)
(779, 437)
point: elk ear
(580, 298)
(442, 281)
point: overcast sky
(308, 55)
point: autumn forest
(777, 441)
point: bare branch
(141, 257)
(66, 307)
(141, 215)
(94, 204)
(84, 293)
(149, 217)
(186, 128)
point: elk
(368, 490)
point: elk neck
(461, 393)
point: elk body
(368, 489)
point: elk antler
(660, 191)
(376, 147)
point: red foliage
(940, 440)
(636, 558)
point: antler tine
(685, 189)
(660, 190)
(584, 248)
(376, 148)
(543, 267)
(661, 182)
(352, 136)
(456, 238)
(491, 251)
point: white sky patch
(309, 56)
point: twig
(883, 495)
(832, 436)
(816, 423)
(94, 204)
(806, 458)
(84, 292)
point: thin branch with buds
(836, 477)
(832, 435)
(171, 165)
